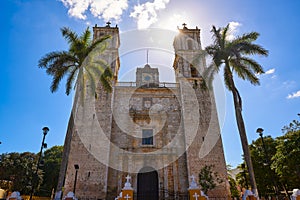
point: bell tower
(82, 145)
(189, 60)
(111, 54)
(205, 147)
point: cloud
(233, 29)
(270, 71)
(294, 95)
(102, 9)
(77, 8)
(146, 14)
(108, 9)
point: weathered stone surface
(105, 133)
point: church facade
(159, 133)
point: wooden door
(147, 185)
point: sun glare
(172, 22)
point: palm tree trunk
(242, 131)
(244, 141)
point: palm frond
(86, 37)
(99, 45)
(224, 35)
(91, 79)
(252, 49)
(238, 68)
(50, 58)
(79, 62)
(106, 84)
(216, 53)
(105, 79)
(69, 35)
(255, 66)
(71, 79)
(96, 70)
(108, 73)
(248, 37)
(254, 80)
(216, 35)
(58, 64)
(244, 72)
(233, 52)
(209, 75)
(59, 74)
(211, 50)
(101, 64)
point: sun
(172, 21)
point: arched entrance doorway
(147, 184)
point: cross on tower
(128, 178)
(193, 178)
(196, 196)
(184, 25)
(108, 24)
(127, 197)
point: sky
(31, 28)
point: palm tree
(232, 56)
(78, 63)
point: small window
(147, 137)
(190, 44)
(194, 72)
(147, 101)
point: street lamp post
(76, 166)
(260, 132)
(44, 145)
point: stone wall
(105, 131)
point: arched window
(190, 44)
(194, 72)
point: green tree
(286, 161)
(232, 182)
(78, 62)
(232, 57)
(292, 127)
(16, 169)
(52, 160)
(233, 187)
(267, 180)
(242, 178)
(208, 179)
